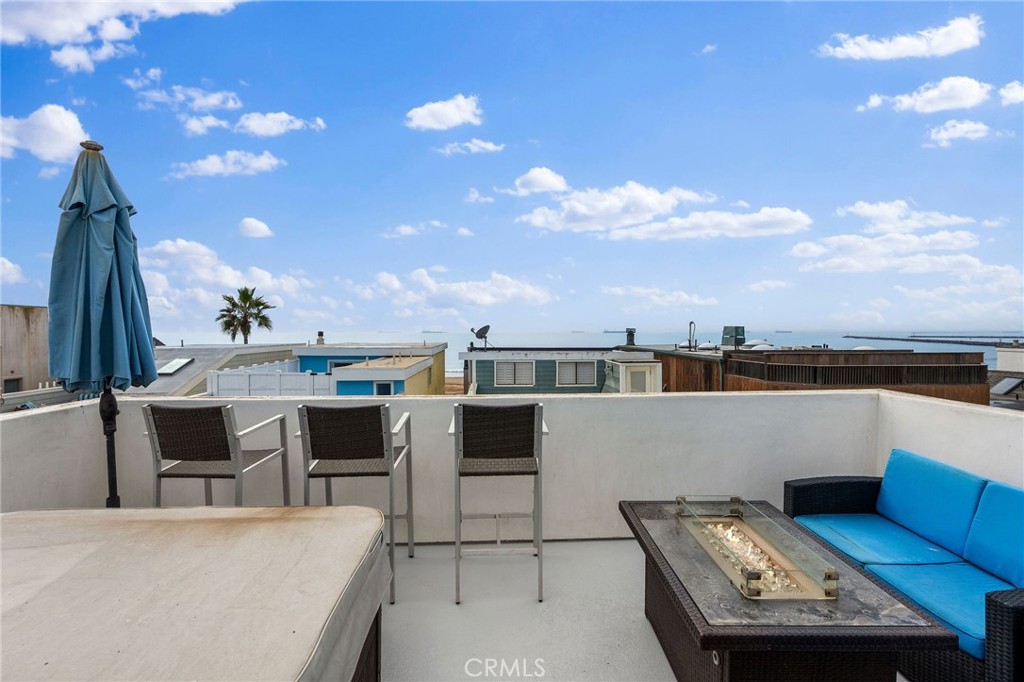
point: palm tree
(240, 314)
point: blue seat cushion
(935, 500)
(953, 593)
(874, 539)
(996, 540)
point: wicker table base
(751, 651)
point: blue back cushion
(996, 540)
(935, 500)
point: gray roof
(204, 359)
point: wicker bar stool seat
(204, 442)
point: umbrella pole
(108, 414)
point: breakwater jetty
(976, 340)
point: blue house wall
(321, 363)
(365, 387)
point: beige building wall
(417, 384)
(24, 356)
(437, 378)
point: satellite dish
(481, 333)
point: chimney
(630, 336)
(319, 338)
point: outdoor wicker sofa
(948, 540)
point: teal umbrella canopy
(100, 335)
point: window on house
(383, 388)
(513, 374)
(430, 376)
(577, 373)
(335, 364)
(12, 385)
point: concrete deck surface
(590, 626)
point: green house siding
(545, 378)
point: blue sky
(538, 167)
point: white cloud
(886, 217)
(537, 180)
(78, 21)
(896, 251)
(75, 58)
(255, 229)
(994, 222)
(406, 230)
(953, 92)
(961, 33)
(629, 212)
(274, 124)
(653, 297)
(139, 80)
(768, 285)
(951, 130)
(196, 99)
(766, 222)
(113, 29)
(708, 49)
(403, 230)
(183, 263)
(880, 303)
(965, 304)
(1011, 93)
(10, 273)
(464, 232)
(432, 296)
(474, 197)
(474, 146)
(740, 204)
(89, 32)
(49, 172)
(447, 114)
(187, 279)
(200, 125)
(233, 162)
(874, 101)
(50, 133)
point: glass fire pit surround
(763, 560)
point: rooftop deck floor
(590, 626)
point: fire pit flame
(745, 555)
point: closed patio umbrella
(100, 335)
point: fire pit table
(802, 613)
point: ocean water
(458, 342)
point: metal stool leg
(538, 533)
(458, 532)
(208, 488)
(391, 530)
(408, 500)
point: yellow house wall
(437, 383)
(417, 384)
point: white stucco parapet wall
(601, 449)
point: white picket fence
(233, 383)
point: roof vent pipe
(320, 338)
(630, 336)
